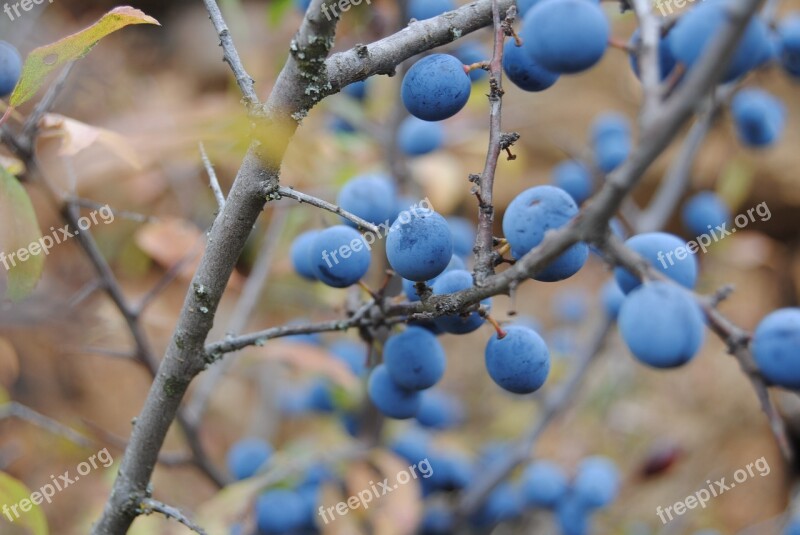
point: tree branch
(300, 197)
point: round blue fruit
(389, 398)
(612, 298)
(793, 526)
(427, 9)
(451, 282)
(523, 70)
(470, 53)
(371, 197)
(356, 90)
(662, 251)
(704, 211)
(571, 306)
(463, 231)
(300, 253)
(280, 511)
(532, 213)
(759, 117)
(414, 359)
(435, 88)
(416, 137)
(597, 482)
(776, 347)
(10, 68)
(502, 504)
(661, 324)
(339, 125)
(572, 516)
(320, 398)
(611, 140)
(354, 354)
(413, 445)
(339, 256)
(519, 362)
(574, 178)
(543, 484)
(437, 520)
(566, 36)
(695, 30)
(523, 6)
(789, 44)
(665, 58)
(247, 456)
(419, 247)
(451, 471)
(409, 287)
(438, 410)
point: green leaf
(276, 11)
(44, 60)
(18, 230)
(12, 492)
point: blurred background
(158, 92)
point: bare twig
(13, 409)
(292, 193)
(31, 126)
(231, 55)
(212, 177)
(149, 506)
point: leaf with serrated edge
(44, 60)
(18, 230)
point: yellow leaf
(77, 136)
(12, 492)
(19, 230)
(44, 60)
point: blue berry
(371, 197)
(300, 253)
(437, 520)
(427, 9)
(524, 71)
(414, 359)
(661, 324)
(419, 248)
(338, 125)
(470, 53)
(532, 213)
(354, 354)
(502, 504)
(566, 36)
(519, 362)
(793, 527)
(436, 87)
(523, 6)
(409, 286)
(339, 256)
(463, 231)
(356, 90)
(389, 398)
(438, 410)
(416, 137)
(572, 516)
(414, 445)
(451, 471)
(320, 397)
(695, 30)
(703, 211)
(776, 347)
(597, 482)
(759, 117)
(612, 298)
(611, 139)
(247, 456)
(575, 179)
(280, 511)
(451, 282)
(665, 58)
(570, 306)
(789, 44)
(659, 249)
(10, 68)
(543, 484)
